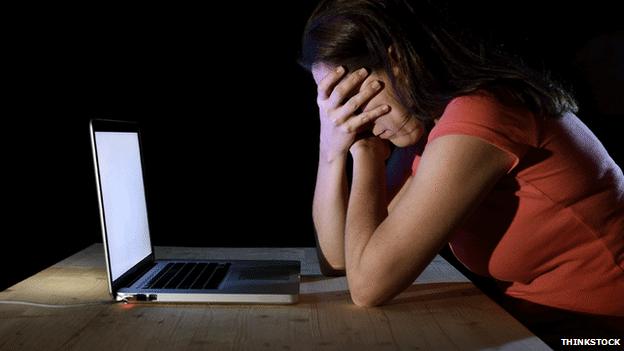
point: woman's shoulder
(481, 115)
(483, 104)
(482, 111)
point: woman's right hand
(339, 109)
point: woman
(519, 187)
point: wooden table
(442, 310)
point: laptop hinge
(133, 274)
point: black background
(230, 126)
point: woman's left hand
(372, 146)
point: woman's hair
(433, 66)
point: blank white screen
(123, 194)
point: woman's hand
(339, 107)
(371, 146)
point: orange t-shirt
(553, 226)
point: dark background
(230, 126)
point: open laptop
(133, 273)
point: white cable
(36, 304)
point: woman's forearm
(329, 210)
(366, 210)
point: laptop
(134, 275)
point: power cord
(45, 305)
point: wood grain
(442, 310)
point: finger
(357, 101)
(342, 91)
(327, 84)
(356, 123)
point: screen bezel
(103, 125)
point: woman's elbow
(365, 301)
(328, 269)
(366, 295)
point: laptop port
(144, 297)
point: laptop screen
(123, 197)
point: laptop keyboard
(190, 275)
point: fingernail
(340, 70)
(362, 72)
(385, 108)
(376, 85)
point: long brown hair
(434, 65)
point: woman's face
(396, 126)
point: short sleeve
(511, 130)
